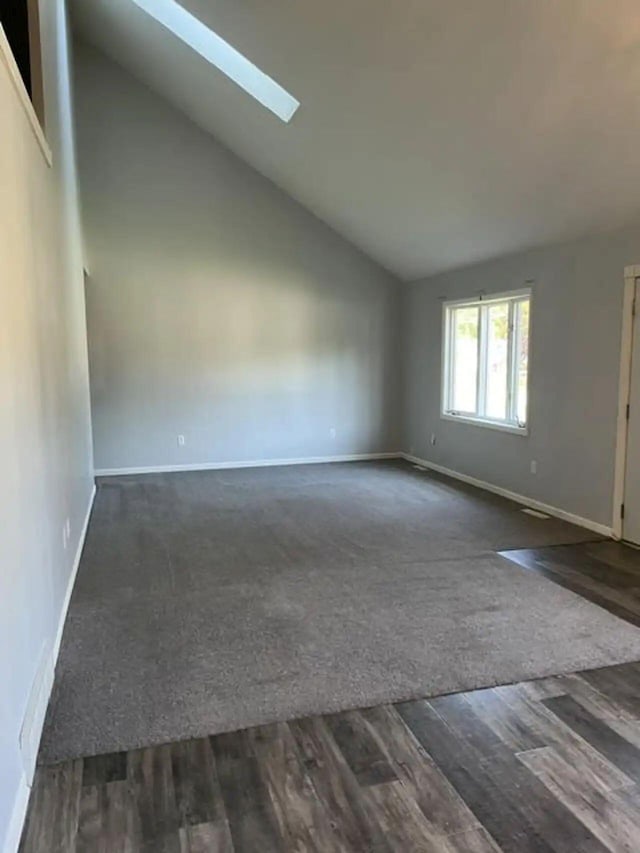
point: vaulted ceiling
(431, 133)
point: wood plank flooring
(548, 766)
(605, 572)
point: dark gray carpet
(211, 601)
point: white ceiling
(432, 133)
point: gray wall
(575, 353)
(218, 308)
(44, 429)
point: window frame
(512, 297)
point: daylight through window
(20, 20)
(486, 360)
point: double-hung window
(486, 360)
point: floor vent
(535, 513)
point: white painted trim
(72, 578)
(624, 391)
(35, 712)
(446, 378)
(6, 54)
(18, 815)
(594, 526)
(254, 463)
(484, 298)
(501, 426)
(14, 832)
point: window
(175, 18)
(21, 23)
(486, 360)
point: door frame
(631, 275)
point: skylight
(220, 54)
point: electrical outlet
(433, 438)
(180, 441)
(64, 536)
(68, 529)
(534, 466)
(332, 432)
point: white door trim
(624, 389)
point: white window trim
(468, 418)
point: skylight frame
(219, 53)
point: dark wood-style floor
(605, 572)
(550, 765)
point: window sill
(501, 427)
(14, 75)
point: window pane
(522, 358)
(465, 359)
(497, 360)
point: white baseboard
(596, 527)
(587, 523)
(72, 577)
(254, 463)
(37, 709)
(18, 815)
(33, 719)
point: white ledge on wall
(482, 422)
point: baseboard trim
(555, 511)
(254, 463)
(17, 819)
(21, 801)
(72, 576)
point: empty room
(320, 383)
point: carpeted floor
(211, 601)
